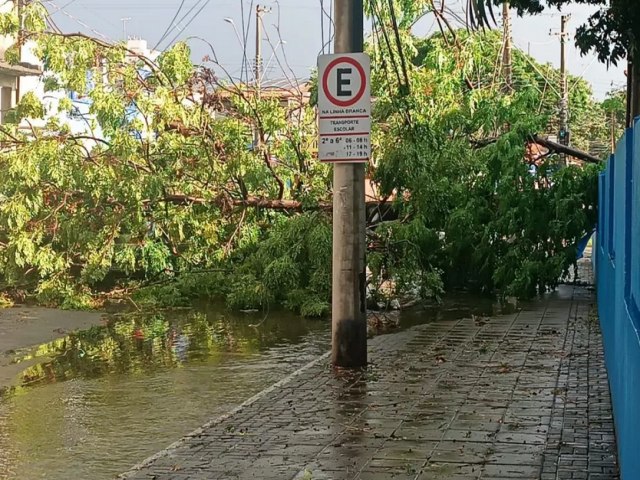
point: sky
(294, 31)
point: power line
(246, 26)
(65, 5)
(332, 25)
(244, 45)
(76, 19)
(189, 22)
(322, 24)
(170, 26)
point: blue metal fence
(618, 281)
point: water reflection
(104, 399)
(90, 405)
(146, 344)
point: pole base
(349, 344)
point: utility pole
(260, 10)
(564, 101)
(506, 51)
(348, 310)
(633, 85)
(629, 117)
(124, 27)
(613, 131)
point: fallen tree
(179, 171)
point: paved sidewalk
(516, 396)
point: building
(79, 119)
(12, 74)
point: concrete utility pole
(564, 101)
(628, 118)
(613, 131)
(564, 134)
(124, 27)
(506, 52)
(633, 86)
(260, 10)
(349, 315)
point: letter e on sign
(344, 108)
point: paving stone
(521, 396)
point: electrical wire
(281, 42)
(331, 22)
(77, 20)
(243, 69)
(170, 26)
(273, 48)
(189, 22)
(63, 7)
(332, 26)
(245, 29)
(322, 25)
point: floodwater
(98, 402)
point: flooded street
(107, 398)
(100, 401)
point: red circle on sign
(363, 83)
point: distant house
(290, 93)
(12, 74)
(80, 119)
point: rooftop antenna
(124, 21)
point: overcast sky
(300, 29)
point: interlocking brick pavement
(510, 397)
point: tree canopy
(186, 183)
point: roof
(21, 69)
(277, 88)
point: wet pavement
(517, 396)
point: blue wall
(618, 281)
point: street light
(241, 43)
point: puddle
(100, 401)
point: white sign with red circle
(344, 108)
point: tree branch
(255, 202)
(559, 148)
(552, 146)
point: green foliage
(474, 216)
(181, 185)
(155, 194)
(29, 107)
(183, 290)
(66, 295)
(290, 265)
(176, 65)
(10, 22)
